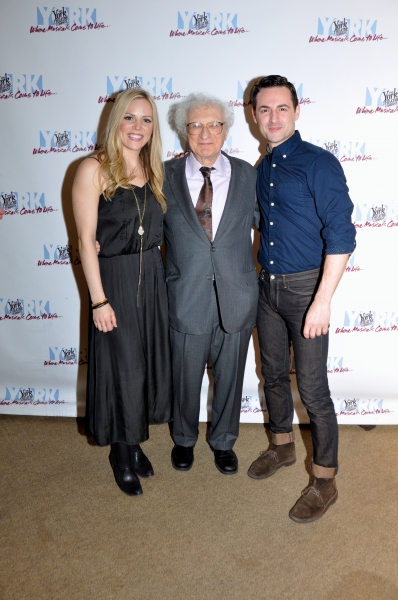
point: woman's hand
(104, 318)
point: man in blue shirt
(306, 238)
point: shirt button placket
(271, 215)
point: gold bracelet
(98, 303)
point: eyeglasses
(196, 128)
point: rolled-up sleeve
(334, 207)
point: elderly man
(211, 277)
(306, 238)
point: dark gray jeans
(283, 303)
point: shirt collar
(287, 148)
(193, 166)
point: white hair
(178, 111)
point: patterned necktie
(204, 203)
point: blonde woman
(118, 200)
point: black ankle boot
(125, 476)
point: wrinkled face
(137, 125)
(275, 114)
(206, 146)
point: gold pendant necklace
(141, 232)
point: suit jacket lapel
(179, 186)
(233, 201)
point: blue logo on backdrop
(157, 86)
(53, 252)
(341, 26)
(359, 406)
(25, 203)
(17, 309)
(206, 23)
(342, 29)
(64, 16)
(22, 85)
(61, 356)
(66, 141)
(345, 151)
(187, 20)
(382, 97)
(375, 215)
(30, 395)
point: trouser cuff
(278, 439)
(323, 472)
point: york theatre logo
(379, 100)
(56, 255)
(22, 85)
(15, 308)
(375, 215)
(340, 27)
(161, 88)
(362, 321)
(345, 151)
(19, 309)
(333, 148)
(132, 84)
(5, 84)
(10, 202)
(378, 213)
(66, 141)
(347, 407)
(390, 98)
(26, 395)
(351, 405)
(25, 203)
(344, 29)
(61, 356)
(30, 396)
(206, 23)
(201, 21)
(60, 16)
(366, 319)
(62, 139)
(64, 18)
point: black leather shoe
(182, 458)
(226, 461)
(141, 464)
(126, 479)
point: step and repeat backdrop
(60, 66)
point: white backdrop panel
(54, 85)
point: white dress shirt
(220, 179)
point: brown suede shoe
(271, 460)
(314, 501)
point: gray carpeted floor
(67, 532)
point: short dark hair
(273, 81)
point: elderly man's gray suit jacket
(192, 260)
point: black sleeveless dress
(129, 369)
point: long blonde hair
(110, 154)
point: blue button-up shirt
(305, 207)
